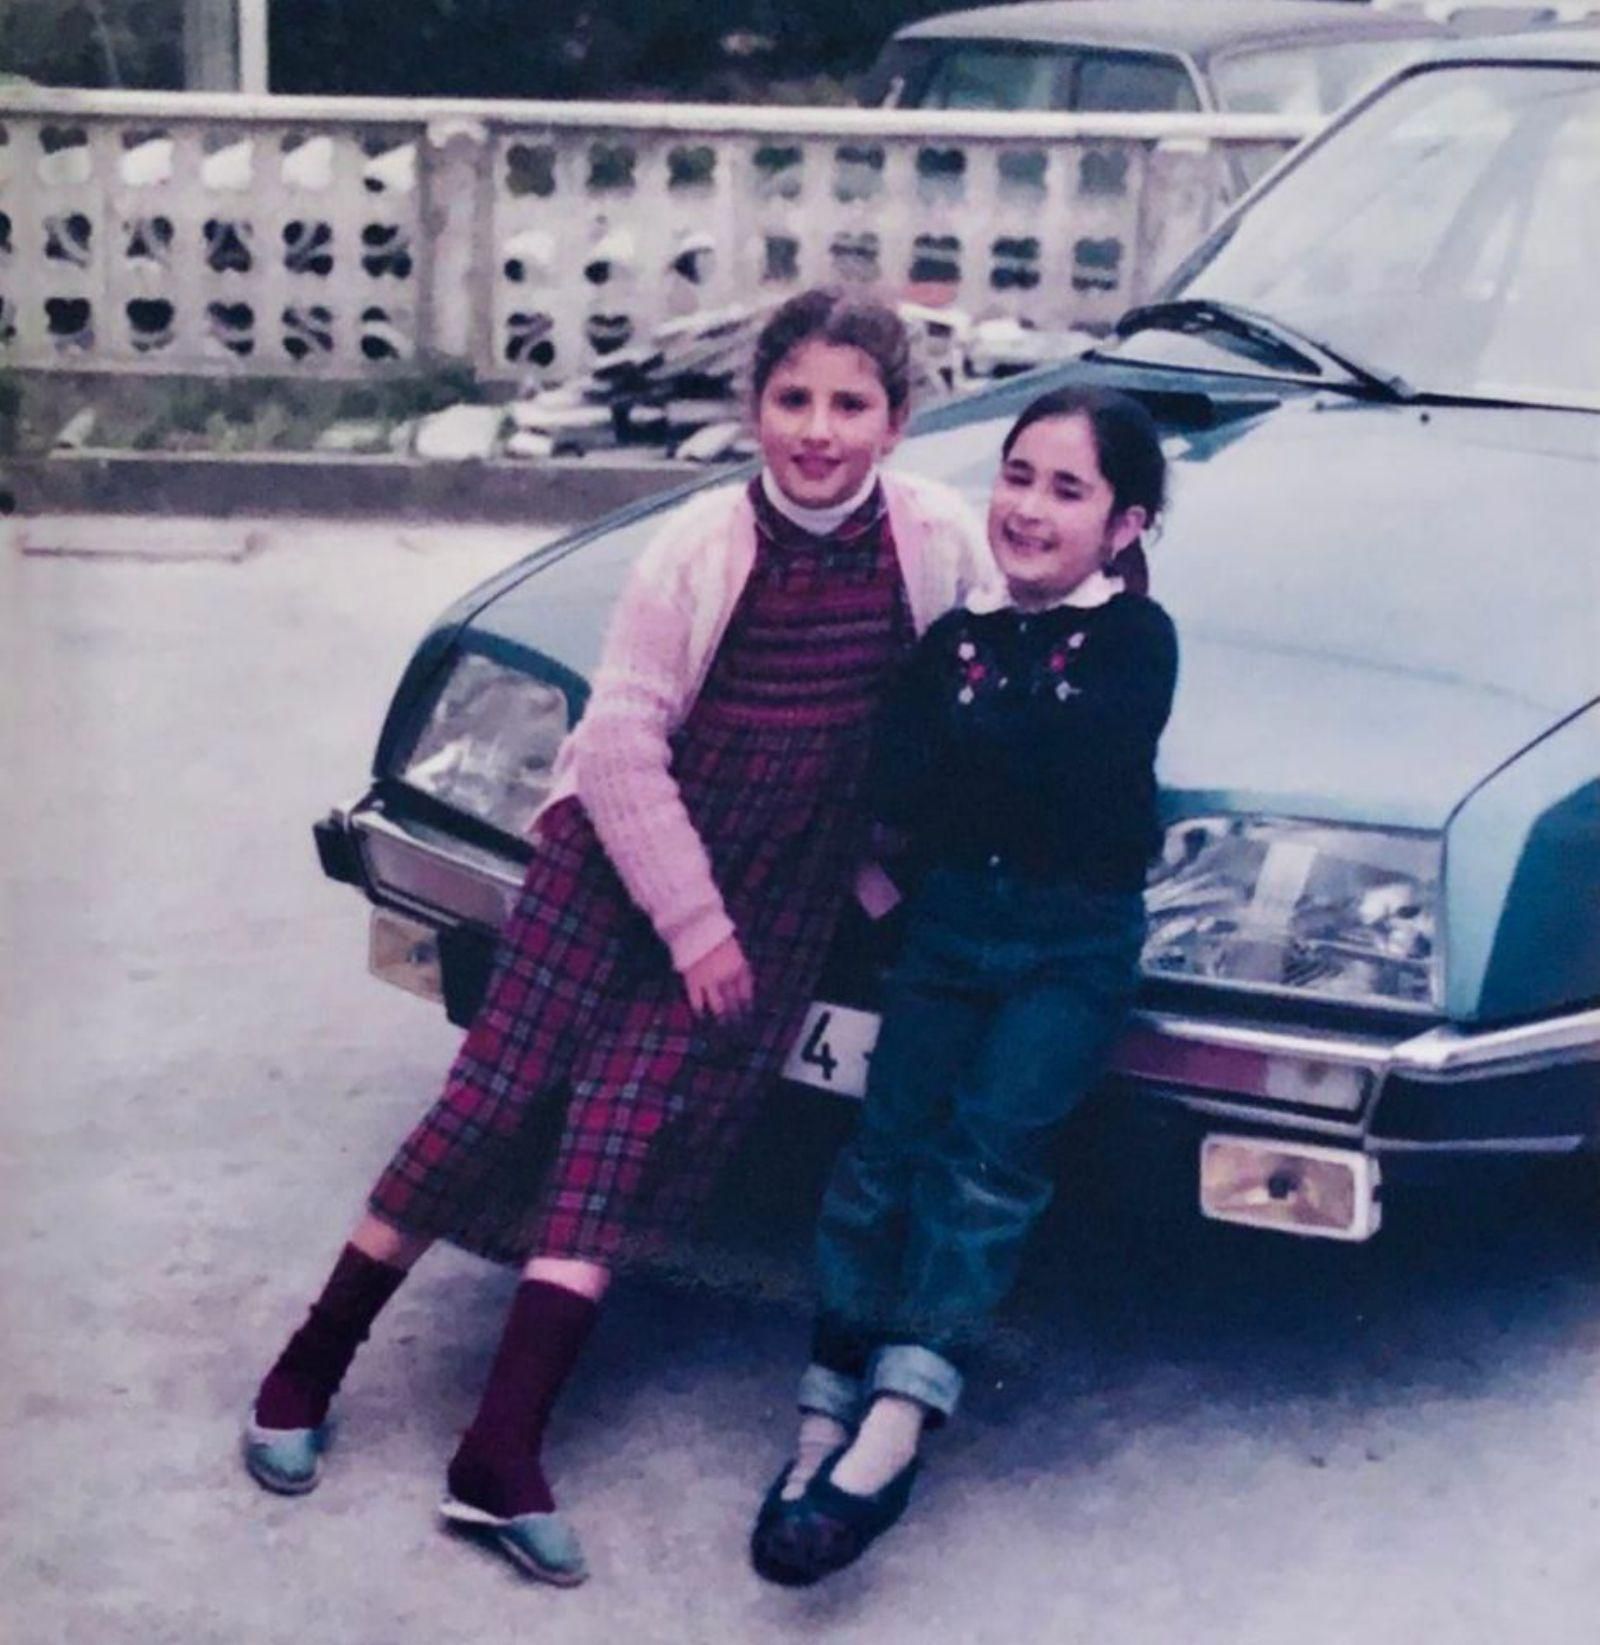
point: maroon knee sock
(299, 1388)
(497, 1465)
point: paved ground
(1190, 1435)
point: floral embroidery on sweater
(979, 673)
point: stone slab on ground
(559, 491)
(464, 433)
(128, 537)
(135, 537)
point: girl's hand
(721, 984)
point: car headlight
(489, 743)
(1288, 907)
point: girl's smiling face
(824, 420)
(1053, 518)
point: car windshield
(1449, 234)
(1306, 79)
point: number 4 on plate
(816, 1052)
(832, 1049)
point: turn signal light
(406, 953)
(1295, 1188)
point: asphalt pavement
(1185, 1434)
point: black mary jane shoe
(776, 1508)
(773, 1504)
(826, 1528)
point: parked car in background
(1155, 56)
(1375, 921)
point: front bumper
(1529, 1089)
(1532, 1088)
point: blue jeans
(997, 1021)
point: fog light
(1296, 1188)
(406, 953)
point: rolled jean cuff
(830, 1393)
(916, 1373)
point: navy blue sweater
(1027, 741)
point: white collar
(1095, 589)
(818, 521)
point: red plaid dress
(587, 1113)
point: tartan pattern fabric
(587, 1113)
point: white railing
(343, 237)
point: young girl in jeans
(1017, 758)
(702, 836)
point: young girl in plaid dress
(701, 838)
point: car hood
(1376, 606)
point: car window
(1306, 79)
(897, 78)
(997, 75)
(1109, 81)
(1450, 233)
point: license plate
(833, 1048)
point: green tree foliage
(93, 42)
(717, 49)
(576, 48)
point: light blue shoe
(285, 1460)
(543, 1545)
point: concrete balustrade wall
(346, 238)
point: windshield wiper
(1277, 344)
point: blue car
(1375, 920)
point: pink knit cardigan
(659, 646)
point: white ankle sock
(819, 1436)
(886, 1442)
